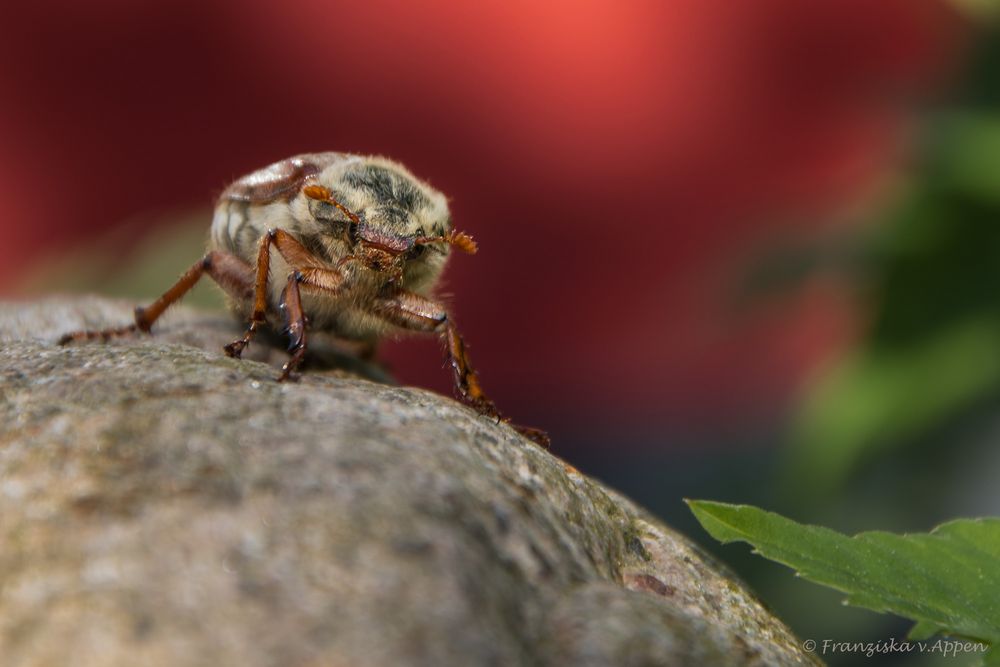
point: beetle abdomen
(232, 230)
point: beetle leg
(417, 313)
(366, 350)
(467, 383)
(291, 304)
(230, 272)
(314, 279)
(300, 259)
(257, 315)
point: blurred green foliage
(930, 281)
(132, 262)
(979, 9)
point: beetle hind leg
(231, 273)
(103, 335)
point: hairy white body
(383, 194)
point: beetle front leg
(417, 313)
(291, 303)
(465, 376)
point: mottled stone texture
(161, 504)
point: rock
(161, 504)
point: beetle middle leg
(231, 273)
(307, 271)
(291, 303)
(313, 271)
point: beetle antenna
(460, 240)
(320, 193)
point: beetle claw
(235, 349)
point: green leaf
(948, 579)
(923, 630)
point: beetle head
(377, 244)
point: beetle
(360, 243)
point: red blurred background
(618, 162)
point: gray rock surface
(161, 504)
